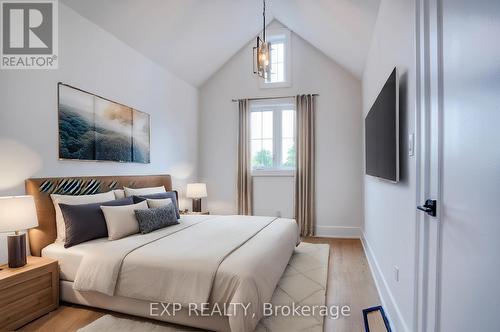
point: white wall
(275, 196)
(389, 222)
(339, 173)
(94, 60)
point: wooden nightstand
(28, 292)
(194, 213)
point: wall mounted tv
(382, 132)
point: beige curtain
(244, 181)
(305, 167)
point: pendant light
(261, 53)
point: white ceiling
(194, 38)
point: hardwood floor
(67, 317)
(349, 283)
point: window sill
(275, 173)
(264, 85)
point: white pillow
(121, 220)
(75, 200)
(119, 193)
(156, 203)
(143, 191)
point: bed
(227, 265)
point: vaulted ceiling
(194, 38)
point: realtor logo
(29, 34)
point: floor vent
(375, 320)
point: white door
(470, 268)
(460, 249)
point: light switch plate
(411, 144)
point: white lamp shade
(196, 190)
(17, 213)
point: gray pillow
(86, 222)
(169, 194)
(156, 218)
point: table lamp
(17, 213)
(196, 191)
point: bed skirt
(140, 308)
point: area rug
(303, 284)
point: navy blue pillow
(86, 222)
(169, 194)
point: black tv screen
(382, 132)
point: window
(280, 59)
(277, 62)
(272, 136)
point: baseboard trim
(338, 231)
(391, 308)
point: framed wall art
(95, 128)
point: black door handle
(429, 207)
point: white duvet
(205, 259)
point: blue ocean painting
(93, 128)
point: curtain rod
(264, 98)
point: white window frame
(280, 34)
(275, 105)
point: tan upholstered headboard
(41, 189)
